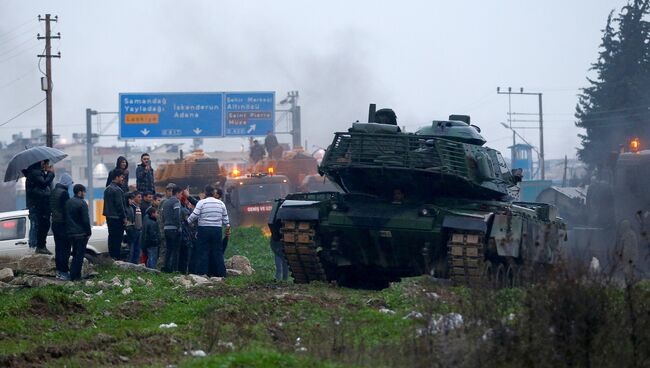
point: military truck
(249, 198)
(194, 172)
(436, 201)
(617, 222)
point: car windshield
(260, 193)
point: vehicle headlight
(335, 206)
(427, 212)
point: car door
(13, 236)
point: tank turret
(446, 158)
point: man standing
(58, 199)
(115, 214)
(207, 257)
(270, 142)
(38, 183)
(123, 165)
(134, 226)
(172, 221)
(257, 152)
(151, 237)
(144, 175)
(162, 250)
(147, 201)
(78, 229)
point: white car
(14, 236)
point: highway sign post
(196, 115)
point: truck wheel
(500, 276)
(488, 273)
(512, 278)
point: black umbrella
(28, 157)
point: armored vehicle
(436, 201)
(194, 172)
(249, 198)
(616, 220)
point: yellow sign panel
(141, 119)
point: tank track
(301, 251)
(466, 255)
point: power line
(9, 39)
(15, 28)
(17, 46)
(22, 112)
(20, 53)
(17, 79)
(39, 126)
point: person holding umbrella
(35, 164)
(38, 187)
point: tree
(616, 105)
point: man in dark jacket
(144, 175)
(134, 226)
(270, 142)
(115, 213)
(78, 229)
(38, 183)
(147, 201)
(172, 221)
(162, 250)
(58, 200)
(123, 165)
(257, 152)
(151, 237)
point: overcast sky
(424, 59)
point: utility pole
(540, 121)
(541, 134)
(292, 100)
(89, 164)
(509, 93)
(46, 82)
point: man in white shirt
(207, 255)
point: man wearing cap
(58, 199)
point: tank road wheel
(466, 257)
(500, 276)
(488, 272)
(513, 278)
(301, 251)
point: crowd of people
(174, 231)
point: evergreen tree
(616, 105)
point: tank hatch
(454, 130)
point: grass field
(256, 322)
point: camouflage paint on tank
(436, 201)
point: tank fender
(299, 210)
(467, 221)
(507, 233)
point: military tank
(436, 201)
(193, 171)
